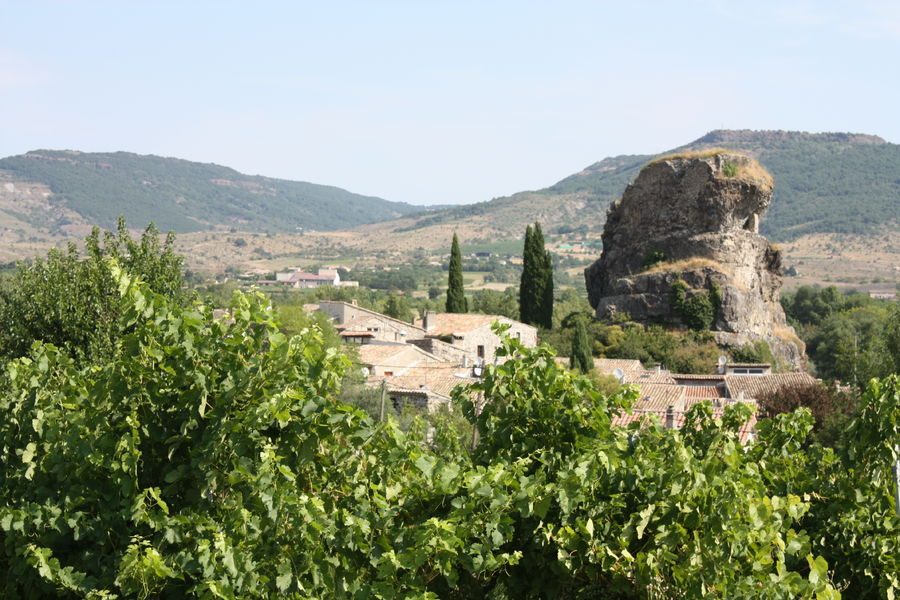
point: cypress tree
(536, 285)
(527, 281)
(456, 296)
(581, 357)
(544, 309)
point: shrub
(698, 310)
(653, 258)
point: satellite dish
(365, 371)
(723, 360)
(619, 374)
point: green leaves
(113, 482)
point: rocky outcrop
(682, 248)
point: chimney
(670, 417)
(353, 301)
(428, 320)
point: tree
(831, 407)
(456, 295)
(397, 307)
(492, 302)
(536, 284)
(527, 281)
(71, 301)
(581, 357)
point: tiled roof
(452, 323)
(649, 376)
(381, 354)
(754, 386)
(439, 381)
(708, 392)
(303, 276)
(696, 377)
(646, 416)
(608, 365)
(659, 397)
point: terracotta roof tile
(754, 386)
(453, 323)
(608, 365)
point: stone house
(472, 333)
(386, 359)
(427, 387)
(361, 325)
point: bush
(697, 311)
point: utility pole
(383, 399)
(897, 479)
(475, 423)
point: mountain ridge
(183, 195)
(829, 182)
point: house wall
(397, 364)
(484, 336)
(356, 318)
(444, 351)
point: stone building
(359, 325)
(472, 333)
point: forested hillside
(184, 196)
(824, 183)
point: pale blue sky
(431, 102)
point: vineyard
(210, 458)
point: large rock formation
(684, 236)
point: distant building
(301, 279)
(883, 295)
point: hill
(824, 183)
(78, 187)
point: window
(480, 351)
(388, 373)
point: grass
(745, 168)
(693, 154)
(685, 264)
(789, 335)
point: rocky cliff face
(682, 248)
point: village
(420, 364)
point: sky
(436, 102)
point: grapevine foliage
(209, 458)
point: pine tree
(581, 357)
(456, 296)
